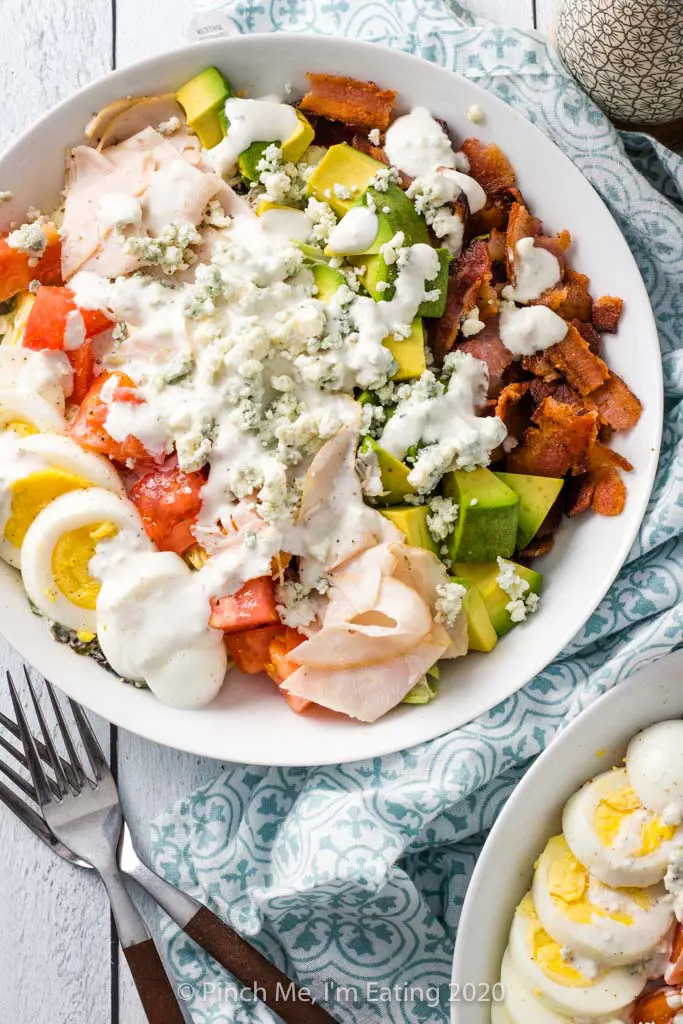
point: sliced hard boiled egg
(610, 832)
(521, 1005)
(29, 413)
(153, 626)
(610, 926)
(35, 470)
(46, 374)
(65, 543)
(563, 981)
(654, 762)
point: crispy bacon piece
(571, 299)
(616, 404)
(467, 276)
(489, 166)
(538, 547)
(539, 364)
(558, 441)
(522, 225)
(496, 245)
(606, 312)
(589, 335)
(558, 389)
(580, 492)
(513, 408)
(609, 495)
(362, 104)
(575, 361)
(488, 347)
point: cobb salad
(299, 386)
(599, 936)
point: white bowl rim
(366, 741)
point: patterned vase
(627, 54)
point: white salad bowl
(595, 742)
(249, 721)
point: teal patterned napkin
(354, 875)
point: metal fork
(226, 946)
(84, 815)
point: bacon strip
(616, 404)
(575, 361)
(488, 347)
(609, 494)
(467, 276)
(489, 166)
(558, 442)
(571, 299)
(362, 104)
(513, 410)
(606, 312)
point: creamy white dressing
(74, 330)
(44, 373)
(530, 329)
(119, 210)
(251, 121)
(535, 269)
(355, 232)
(290, 224)
(435, 193)
(417, 144)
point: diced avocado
(394, 474)
(312, 254)
(249, 160)
(203, 99)
(488, 517)
(294, 147)
(412, 521)
(485, 579)
(395, 213)
(480, 632)
(342, 165)
(537, 495)
(378, 277)
(436, 307)
(327, 280)
(409, 353)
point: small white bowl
(594, 743)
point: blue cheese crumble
(442, 517)
(511, 583)
(29, 238)
(170, 251)
(449, 603)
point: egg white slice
(610, 926)
(47, 374)
(654, 762)
(31, 411)
(183, 662)
(36, 469)
(564, 982)
(499, 1014)
(59, 547)
(614, 836)
(521, 1005)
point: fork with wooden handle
(225, 945)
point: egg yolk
(548, 954)
(615, 808)
(70, 563)
(567, 883)
(32, 493)
(22, 428)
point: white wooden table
(59, 960)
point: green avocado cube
(488, 517)
(481, 635)
(203, 100)
(408, 352)
(485, 579)
(436, 307)
(327, 280)
(537, 495)
(394, 475)
(249, 160)
(342, 165)
(412, 521)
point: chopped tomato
(252, 606)
(674, 971)
(82, 361)
(280, 665)
(168, 503)
(48, 320)
(654, 1007)
(17, 271)
(250, 649)
(88, 427)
